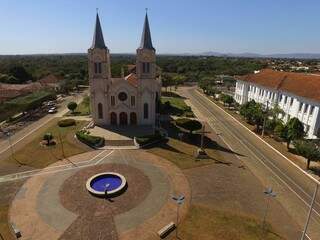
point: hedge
(143, 140)
(92, 141)
(188, 124)
(67, 122)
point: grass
(182, 153)
(36, 156)
(211, 224)
(177, 106)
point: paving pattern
(56, 205)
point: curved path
(38, 212)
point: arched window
(146, 111)
(100, 110)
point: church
(127, 100)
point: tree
(226, 99)
(280, 130)
(48, 137)
(253, 113)
(308, 150)
(295, 130)
(20, 73)
(72, 106)
(166, 80)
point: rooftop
(299, 84)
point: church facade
(127, 100)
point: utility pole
(310, 211)
(265, 119)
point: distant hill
(255, 55)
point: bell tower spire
(98, 40)
(146, 41)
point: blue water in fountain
(108, 181)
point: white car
(52, 111)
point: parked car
(52, 111)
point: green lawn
(211, 224)
(177, 106)
(37, 156)
(182, 153)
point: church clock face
(122, 96)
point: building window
(113, 101)
(285, 99)
(305, 108)
(145, 67)
(97, 68)
(133, 101)
(311, 110)
(300, 107)
(145, 111)
(291, 101)
(100, 111)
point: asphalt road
(293, 187)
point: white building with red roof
(297, 94)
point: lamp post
(269, 193)
(8, 134)
(265, 118)
(179, 200)
(310, 211)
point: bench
(163, 232)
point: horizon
(227, 28)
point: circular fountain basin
(111, 182)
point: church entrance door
(123, 118)
(113, 118)
(133, 118)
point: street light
(304, 233)
(265, 118)
(269, 193)
(179, 200)
(8, 134)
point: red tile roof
(299, 84)
(132, 79)
(50, 79)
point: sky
(177, 26)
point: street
(293, 187)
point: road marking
(264, 162)
(46, 171)
(277, 151)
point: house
(8, 91)
(297, 94)
(51, 81)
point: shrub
(66, 122)
(189, 124)
(92, 141)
